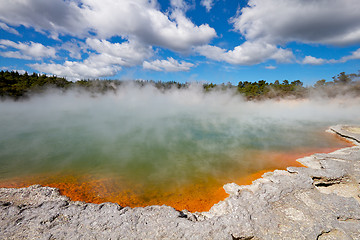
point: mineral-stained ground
(321, 201)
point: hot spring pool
(143, 147)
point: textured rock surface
(318, 202)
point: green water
(157, 139)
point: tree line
(17, 86)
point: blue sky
(182, 40)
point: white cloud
(267, 24)
(354, 55)
(208, 4)
(129, 19)
(55, 16)
(313, 60)
(319, 61)
(20, 71)
(179, 4)
(248, 53)
(27, 51)
(89, 68)
(5, 27)
(169, 65)
(140, 20)
(281, 21)
(283, 55)
(270, 67)
(107, 61)
(126, 53)
(74, 48)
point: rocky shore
(321, 201)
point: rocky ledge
(321, 201)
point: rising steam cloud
(144, 133)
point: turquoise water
(153, 138)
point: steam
(159, 137)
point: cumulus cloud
(143, 21)
(28, 51)
(72, 70)
(268, 24)
(74, 48)
(248, 53)
(354, 55)
(141, 26)
(130, 19)
(270, 67)
(126, 53)
(208, 4)
(169, 65)
(319, 61)
(107, 60)
(280, 21)
(179, 4)
(54, 16)
(5, 27)
(313, 60)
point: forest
(21, 86)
